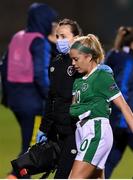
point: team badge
(70, 70)
(84, 87)
(52, 69)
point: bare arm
(125, 109)
(73, 100)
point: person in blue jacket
(25, 70)
(120, 59)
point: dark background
(101, 17)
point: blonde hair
(91, 41)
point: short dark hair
(76, 30)
(128, 39)
(128, 36)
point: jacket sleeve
(3, 74)
(41, 59)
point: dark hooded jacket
(20, 96)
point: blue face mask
(63, 46)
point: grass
(10, 142)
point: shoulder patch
(113, 87)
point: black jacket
(62, 76)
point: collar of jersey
(92, 71)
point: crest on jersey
(70, 70)
(73, 151)
(84, 87)
(52, 69)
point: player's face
(64, 32)
(80, 61)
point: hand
(41, 137)
(122, 31)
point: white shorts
(94, 141)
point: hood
(40, 18)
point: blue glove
(106, 68)
(41, 137)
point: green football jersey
(93, 94)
